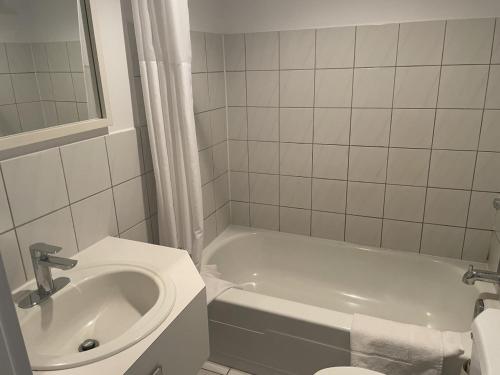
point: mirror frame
(63, 131)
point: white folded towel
(214, 285)
(394, 348)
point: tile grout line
(246, 128)
(312, 135)
(432, 138)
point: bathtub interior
(347, 278)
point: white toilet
(346, 371)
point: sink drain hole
(88, 344)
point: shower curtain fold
(163, 44)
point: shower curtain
(164, 47)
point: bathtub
(295, 310)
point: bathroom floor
(211, 368)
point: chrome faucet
(472, 275)
(43, 261)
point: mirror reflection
(47, 73)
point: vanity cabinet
(182, 348)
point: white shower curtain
(163, 43)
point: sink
(114, 305)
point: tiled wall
(41, 84)
(74, 195)
(210, 116)
(380, 135)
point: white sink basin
(115, 304)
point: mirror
(48, 74)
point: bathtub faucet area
(472, 275)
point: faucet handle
(40, 249)
(471, 268)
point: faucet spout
(58, 262)
(471, 276)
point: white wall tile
(264, 216)
(200, 91)
(141, 232)
(5, 217)
(370, 127)
(363, 230)
(94, 218)
(404, 203)
(45, 86)
(58, 57)
(333, 88)
(238, 155)
(75, 57)
(199, 57)
(481, 211)
(297, 49)
(373, 87)
(9, 118)
(40, 57)
(263, 124)
(330, 161)
(493, 95)
(20, 57)
(236, 88)
(263, 157)
(335, 47)
(452, 169)
(365, 199)
(408, 167)
(203, 130)
(476, 245)
(263, 88)
(42, 170)
(220, 158)
(296, 88)
(486, 178)
(412, 128)
(328, 225)
(25, 87)
(131, 203)
(55, 229)
(264, 188)
(237, 123)
(416, 87)
(63, 87)
(4, 62)
(468, 41)
(66, 112)
(421, 43)
(293, 220)
(262, 51)
(368, 164)
(50, 113)
(446, 206)
(206, 165)
(215, 55)
(223, 218)
(221, 190)
(442, 240)
(239, 186)
(457, 129)
(207, 193)
(295, 192)
(210, 229)
(332, 125)
(401, 235)
(296, 159)
(216, 90)
(6, 90)
(376, 45)
(329, 195)
(490, 131)
(240, 213)
(125, 156)
(31, 116)
(495, 56)
(462, 86)
(85, 168)
(234, 50)
(296, 125)
(11, 257)
(79, 87)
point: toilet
(347, 371)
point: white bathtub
(295, 312)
